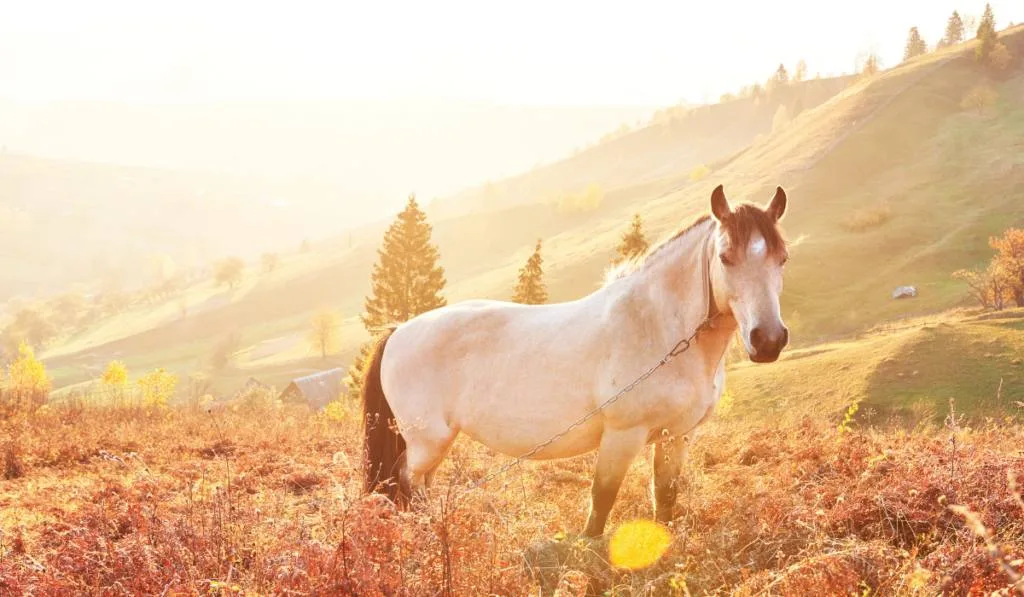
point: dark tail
(384, 446)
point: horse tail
(384, 446)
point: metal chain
(680, 347)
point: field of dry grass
(266, 500)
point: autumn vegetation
(1001, 283)
(145, 483)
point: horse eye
(726, 260)
(785, 258)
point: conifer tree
(801, 71)
(986, 35)
(872, 65)
(530, 290)
(633, 243)
(915, 45)
(406, 281)
(954, 30)
(354, 379)
(779, 79)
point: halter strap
(711, 307)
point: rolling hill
(676, 141)
(908, 372)
(891, 182)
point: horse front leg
(618, 449)
(669, 454)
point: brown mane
(746, 219)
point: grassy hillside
(907, 372)
(931, 180)
(670, 147)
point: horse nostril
(757, 338)
(785, 337)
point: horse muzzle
(767, 345)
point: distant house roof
(316, 389)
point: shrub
(867, 218)
(157, 388)
(27, 386)
(589, 199)
(13, 465)
(699, 172)
(979, 98)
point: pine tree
(406, 279)
(954, 30)
(801, 71)
(633, 243)
(872, 65)
(779, 79)
(530, 290)
(781, 76)
(915, 45)
(354, 379)
(986, 35)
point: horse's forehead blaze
(758, 246)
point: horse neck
(669, 294)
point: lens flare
(638, 544)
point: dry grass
(268, 501)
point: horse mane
(634, 264)
(746, 219)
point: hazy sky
(639, 52)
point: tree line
(989, 51)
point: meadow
(265, 498)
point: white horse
(512, 376)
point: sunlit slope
(900, 142)
(676, 142)
(909, 374)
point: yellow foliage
(157, 387)
(115, 375)
(27, 374)
(589, 200)
(725, 403)
(336, 411)
(638, 544)
(699, 173)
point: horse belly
(516, 436)
(519, 404)
(507, 376)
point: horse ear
(720, 205)
(778, 205)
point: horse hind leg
(618, 450)
(424, 453)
